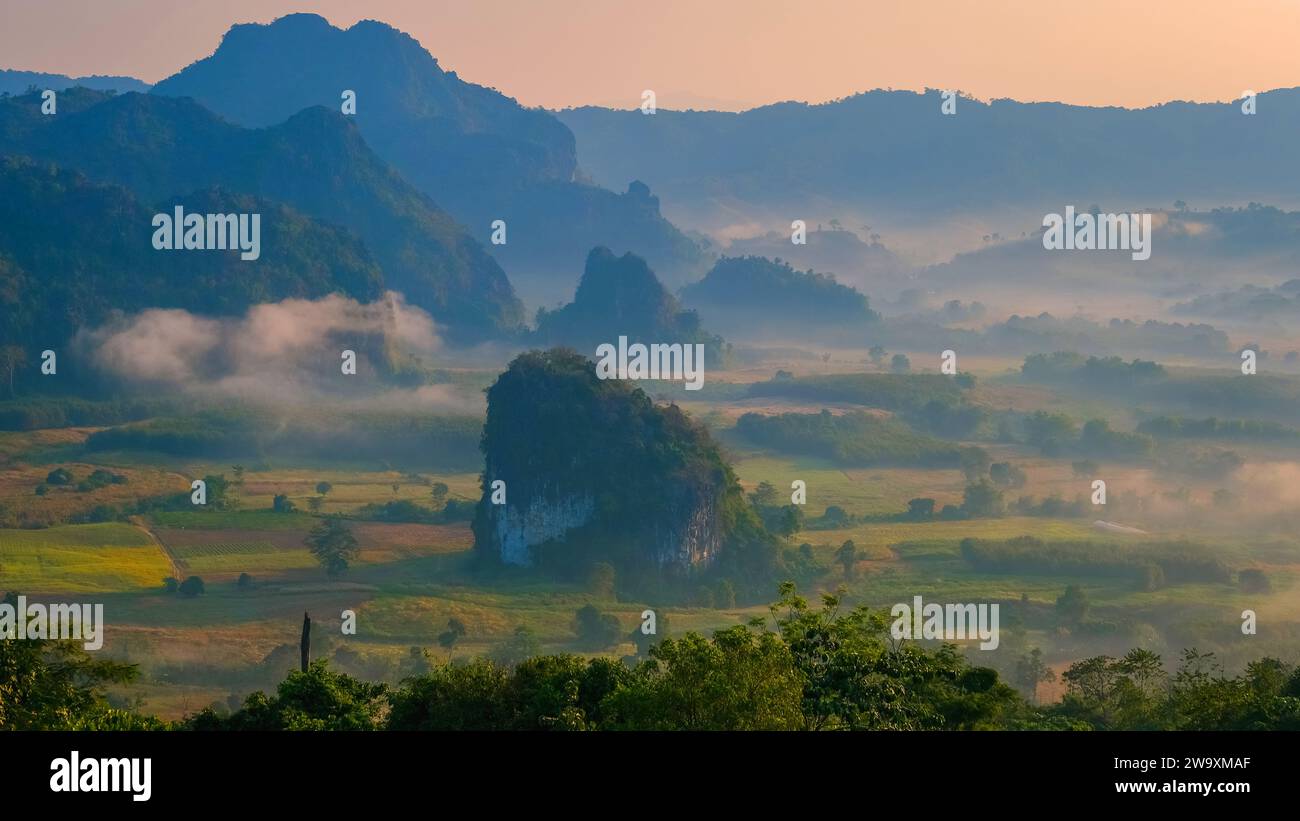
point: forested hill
(621, 296)
(76, 251)
(749, 290)
(316, 163)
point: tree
(1072, 606)
(521, 645)
(455, 632)
(191, 587)
(333, 545)
(900, 363)
(1007, 474)
(48, 684)
(323, 488)
(600, 580)
(725, 596)
(314, 503)
(282, 504)
(439, 493)
(974, 463)
(739, 679)
(1030, 671)
(765, 495)
(848, 557)
(877, 354)
(982, 499)
(314, 699)
(596, 630)
(245, 581)
(238, 470)
(921, 509)
(12, 358)
(59, 476)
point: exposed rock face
(520, 529)
(690, 539)
(595, 472)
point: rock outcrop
(593, 471)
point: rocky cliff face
(518, 529)
(690, 539)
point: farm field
(93, 558)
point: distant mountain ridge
(898, 149)
(17, 82)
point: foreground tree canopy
(805, 668)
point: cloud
(276, 352)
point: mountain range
(475, 151)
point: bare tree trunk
(306, 640)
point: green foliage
(332, 543)
(32, 413)
(521, 645)
(1006, 474)
(621, 296)
(774, 293)
(455, 631)
(282, 504)
(59, 476)
(1245, 430)
(58, 685)
(234, 432)
(1072, 606)
(318, 699)
(600, 580)
(1179, 562)
(556, 433)
(1107, 374)
(856, 438)
(890, 391)
(982, 499)
(596, 630)
(191, 587)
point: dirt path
(179, 568)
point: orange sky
(731, 53)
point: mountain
(18, 82)
(749, 294)
(621, 296)
(316, 162)
(894, 155)
(475, 151)
(866, 265)
(74, 252)
(594, 471)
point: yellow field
(98, 558)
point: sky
(731, 54)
